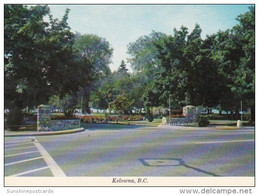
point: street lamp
(241, 110)
(81, 103)
(170, 108)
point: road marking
(23, 140)
(20, 148)
(22, 161)
(18, 144)
(55, 169)
(229, 141)
(21, 153)
(27, 172)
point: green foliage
(121, 104)
(106, 119)
(96, 50)
(69, 104)
(55, 101)
(234, 51)
(103, 92)
(218, 71)
(122, 69)
(203, 121)
(149, 115)
(15, 119)
(187, 72)
(116, 84)
(144, 60)
(53, 68)
(143, 51)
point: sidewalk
(8, 133)
(219, 127)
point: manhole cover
(162, 162)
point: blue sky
(122, 24)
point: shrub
(94, 119)
(29, 117)
(60, 117)
(15, 119)
(176, 112)
(105, 119)
(203, 121)
(131, 117)
(112, 118)
(177, 116)
(150, 117)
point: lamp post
(241, 110)
(81, 105)
(169, 108)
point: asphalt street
(133, 151)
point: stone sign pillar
(43, 118)
(164, 121)
(190, 112)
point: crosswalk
(24, 156)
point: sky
(123, 24)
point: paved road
(133, 151)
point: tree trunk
(237, 114)
(252, 118)
(209, 111)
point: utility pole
(81, 105)
(241, 110)
(170, 108)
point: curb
(222, 128)
(226, 128)
(47, 133)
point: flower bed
(106, 119)
(177, 116)
(62, 117)
(131, 118)
(182, 121)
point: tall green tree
(188, 73)
(24, 29)
(234, 50)
(39, 57)
(121, 104)
(170, 79)
(122, 68)
(203, 85)
(245, 80)
(96, 50)
(104, 93)
(143, 52)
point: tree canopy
(217, 71)
(44, 60)
(39, 57)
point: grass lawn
(32, 127)
(102, 114)
(225, 122)
(154, 123)
(121, 125)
